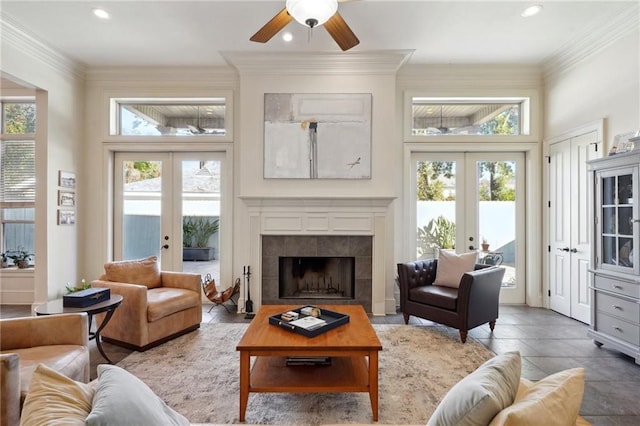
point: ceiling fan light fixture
(312, 13)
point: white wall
(605, 85)
(58, 146)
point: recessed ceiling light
(531, 10)
(287, 36)
(101, 13)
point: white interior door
(463, 199)
(570, 225)
(155, 194)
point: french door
(157, 196)
(473, 202)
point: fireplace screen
(316, 277)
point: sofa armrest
(9, 389)
(185, 280)
(28, 332)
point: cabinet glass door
(617, 220)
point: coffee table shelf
(345, 374)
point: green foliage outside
(19, 118)
(500, 175)
(430, 186)
(135, 171)
(439, 232)
(197, 231)
(505, 123)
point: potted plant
(438, 234)
(485, 244)
(5, 259)
(20, 257)
(196, 233)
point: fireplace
(320, 269)
(311, 226)
(316, 277)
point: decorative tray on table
(309, 321)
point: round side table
(55, 307)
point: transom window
(17, 179)
(169, 117)
(469, 116)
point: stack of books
(309, 323)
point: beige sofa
(58, 341)
(493, 395)
(157, 305)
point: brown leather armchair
(474, 303)
(157, 306)
(58, 341)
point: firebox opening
(316, 277)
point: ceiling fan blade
(272, 27)
(341, 33)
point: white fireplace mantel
(323, 216)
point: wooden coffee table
(353, 347)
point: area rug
(197, 375)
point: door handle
(166, 246)
(564, 249)
(574, 250)
(472, 248)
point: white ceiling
(193, 33)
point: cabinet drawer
(617, 286)
(617, 307)
(618, 328)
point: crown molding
(20, 38)
(599, 37)
(373, 62)
(470, 75)
(223, 75)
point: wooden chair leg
(492, 324)
(406, 318)
(463, 336)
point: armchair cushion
(452, 266)
(164, 301)
(141, 271)
(435, 295)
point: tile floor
(548, 342)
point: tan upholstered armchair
(157, 306)
(473, 303)
(58, 341)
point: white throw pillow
(452, 266)
(477, 398)
(123, 399)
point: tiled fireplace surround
(317, 226)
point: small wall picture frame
(66, 198)
(66, 179)
(66, 217)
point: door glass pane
(436, 207)
(201, 186)
(617, 220)
(142, 196)
(496, 185)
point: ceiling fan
(310, 13)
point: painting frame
(317, 135)
(66, 198)
(66, 217)
(66, 179)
